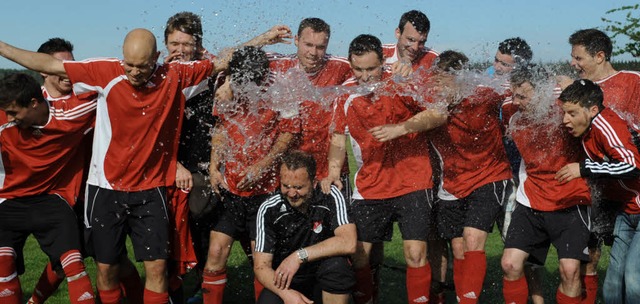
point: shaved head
(140, 55)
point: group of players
(190, 154)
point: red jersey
(250, 134)
(610, 144)
(545, 148)
(389, 169)
(72, 185)
(622, 94)
(316, 115)
(470, 145)
(41, 159)
(137, 129)
(425, 60)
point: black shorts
(236, 215)
(49, 218)
(333, 275)
(374, 218)
(567, 229)
(479, 209)
(110, 215)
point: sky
(97, 28)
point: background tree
(629, 28)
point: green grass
(240, 284)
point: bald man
(138, 121)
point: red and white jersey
(425, 60)
(470, 145)
(613, 156)
(622, 94)
(40, 160)
(137, 129)
(72, 185)
(250, 135)
(316, 115)
(546, 147)
(389, 169)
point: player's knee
(155, 269)
(415, 256)
(569, 270)
(217, 256)
(511, 267)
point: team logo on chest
(317, 226)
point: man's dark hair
(296, 159)
(583, 92)
(316, 24)
(55, 45)
(248, 64)
(518, 48)
(594, 41)
(21, 88)
(532, 73)
(418, 19)
(186, 22)
(451, 60)
(365, 43)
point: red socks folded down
(213, 284)
(515, 292)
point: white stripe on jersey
(341, 207)
(270, 202)
(613, 140)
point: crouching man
(304, 238)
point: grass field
(240, 286)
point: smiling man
(613, 159)
(410, 52)
(591, 57)
(303, 239)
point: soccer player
(322, 71)
(512, 52)
(591, 57)
(58, 89)
(549, 212)
(135, 144)
(393, 181)
(247, 143)
(611, 144)
(304, 238)
(38, 140)
(476, 178)
(410, 52)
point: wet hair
(316, 24)
(21, 88)
(248, 64)
(594, 41)
(186, 22)
(518, 48)
(55, 45)
(365, 43)
(583, 92)
(532, 73)
(296, 159)
(418, 19)
(451, 60)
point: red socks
(10, 290)
(213, 283)
(418, 283)
(562, 298)
(47, 284)
(152, 297)
(257, 288)
(80, 288)
(515, 292)
(474, 270)
(590, 284)
(111, 296)
(363, 291)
